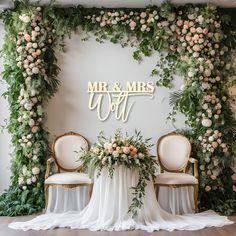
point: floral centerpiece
(129, 151)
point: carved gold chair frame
(53, 159)
(183, 169)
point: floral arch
(195, 41)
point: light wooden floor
(229, 230)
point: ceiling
(124, 3)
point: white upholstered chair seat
(175, 178)
(69, 178)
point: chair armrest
(49, 162)
(195, 166)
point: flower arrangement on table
(129, 151)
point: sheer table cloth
(62, 199)
(108, 210)
(177, 201)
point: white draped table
(108, 210)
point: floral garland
(131, 152)
(26, 50)
(196, 42)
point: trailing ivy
(194, 41)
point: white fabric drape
(108, 210)
(62, 199)
(177, 201)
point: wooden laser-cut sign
(117, 97)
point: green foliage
(206, 70)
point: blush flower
(126, 150)
(27, 37)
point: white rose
(115, 154)
(202, 167)
(35, 45)
(31, 122)
(33, 179)
(204, 106)
(37, 28)
(25, 18)
(29, 144)
(20, 119)
(207, 188)
(34, 100)
(200, 19)
(20, 180)
(140, 155)
(196, 48)
(19, 49)
(24, 170)
(143, 28)
(35, 70)
(35, 171)
(211, 139)
(207, 72)
(206, 122)
(143, 14)
(28, 181)
(28, 106)
(196, 54)
(190, 74)
(182, 87)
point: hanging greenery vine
(194, 41)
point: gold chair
(66, 160)
(173, 152)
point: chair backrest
(173, 151)
(64, 149)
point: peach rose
(126, 150)
(27, 37)
(179, 22)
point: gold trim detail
(181, 170)
(53, 159)
(53, 150)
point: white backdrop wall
(68, 110)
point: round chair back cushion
(65, 148)
(173, 152)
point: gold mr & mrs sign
(117, 97)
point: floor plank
(229, 230)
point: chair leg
(90, 190)
(46, 196)
(157, 191)
(195, 197)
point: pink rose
(132, 24)
(205, 31)
(34, 54)
(179, 22)
(186, 22)
(35, 129)
(38, 52)
(196, 37)
(126, 150)
(27, 37)
(192, 30)
(188, 38)
(214, 144)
